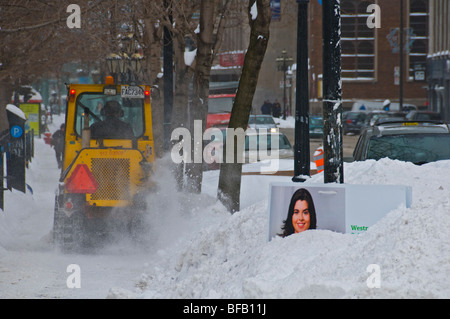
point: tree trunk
(5, 98)
(204, 59)
(180, 116)
(230, 173)
(152, 49)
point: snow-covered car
(408, 141)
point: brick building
(370, 56)
(439, 58)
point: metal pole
(168, 78)
(401, 56)
(302, 165)
(284, 87)
(332, 93)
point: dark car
(353, 121)
(374, 116)
(423, 116)
(409, 141)
(315, 126)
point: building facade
(439, 58)
(371, 55)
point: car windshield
(356, 116)
(133, 110)
(220, 105)
(316, 121)
(261, 120)
(415, 148)
(424, 117)
(283, 142)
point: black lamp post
(126, 66)
(302, 167)
(332, 93)
(283, 65)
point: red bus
(219, 110)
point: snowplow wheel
(68, 230)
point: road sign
(16, 131)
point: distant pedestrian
(386, 105)
(58, 143)
(276, 109)
(266, 108)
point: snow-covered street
(197, 250)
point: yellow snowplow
(108, 157)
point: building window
(275, 5)
(418, 34)
(358, 41)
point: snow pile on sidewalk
(198, 250)
(232, 259)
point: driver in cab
(111, 127)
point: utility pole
(332, 93)
(302, 166)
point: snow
(198, 250)
(15, 110)
(189, 57)
(254, 11)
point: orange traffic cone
(318, 159)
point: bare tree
(230, 173)
(213, 15)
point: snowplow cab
(108, 157)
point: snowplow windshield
(131, 111)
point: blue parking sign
(16, 131)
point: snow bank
(198, 250)
(233, 260)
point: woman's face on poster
(301, 218)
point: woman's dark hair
(300, 194)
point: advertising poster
(31, 111)
(294, 208)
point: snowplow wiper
(88, 110)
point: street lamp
(126, 65)
(283, 66)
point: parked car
(262, 121)
(353, 121)
(409, 141)
(374, 116)
(254, 148)
(423, 116)
(316, 126)
(260, 146)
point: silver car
(262, 121)
(265, 145)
